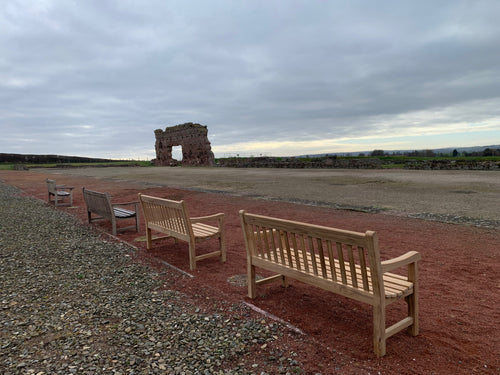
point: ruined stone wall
(348, 163)
(460, 164)
(193, 138)
(291, 162)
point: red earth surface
(459, 282)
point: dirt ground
(461, 193)
(459, 271)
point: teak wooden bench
(100, 204)
(172, 218)
(59, 192)
(339, 261)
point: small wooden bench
(172, 218)
(100, 204)
(59, 192)
(339, 261)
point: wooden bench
(100, 204)
(172, 218)
(59, 192)
(339, 261)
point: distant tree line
(43, 159)
(431, 153)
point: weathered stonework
(291, 162)
(193, 138)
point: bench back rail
(320, 252)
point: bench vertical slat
(313, 255)
(287, 247)
(254, 235)
(265, 237)
(304, 252)
(164, 214)
(268, 239)
(331, 258)
(340, 254)
(269, 248)
(275, 246)
(153, 211)
(182, 222)
(177, 222)
(321, 257)
(264, 246)
(156, 213)
(352, 266)
(364, 273)
(296, 251)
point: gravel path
(73, 303)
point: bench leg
(284, 281)
(222, 246)
(412, 300)
(252, 286)
(379, 337)
(149, 239)
(192, 255)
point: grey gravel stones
(73, 303)
(456, 219)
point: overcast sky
(97, 77)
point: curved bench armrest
(64, 187)
(124, 204)
(403, 260)
(219, 217)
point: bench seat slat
(122, 213)
(204, 230)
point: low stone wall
(461, 164)
(327, 162)
(361, 163)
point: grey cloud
(250, 71)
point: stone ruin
(193, 138)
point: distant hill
(446, 150)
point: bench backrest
(169, 215)
(349, 259)
(51, 186)
(98, 203)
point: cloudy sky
(97, 77)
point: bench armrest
(64, 187)
(136, 204)
(219, 217)
(403, 260)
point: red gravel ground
(459, 283)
